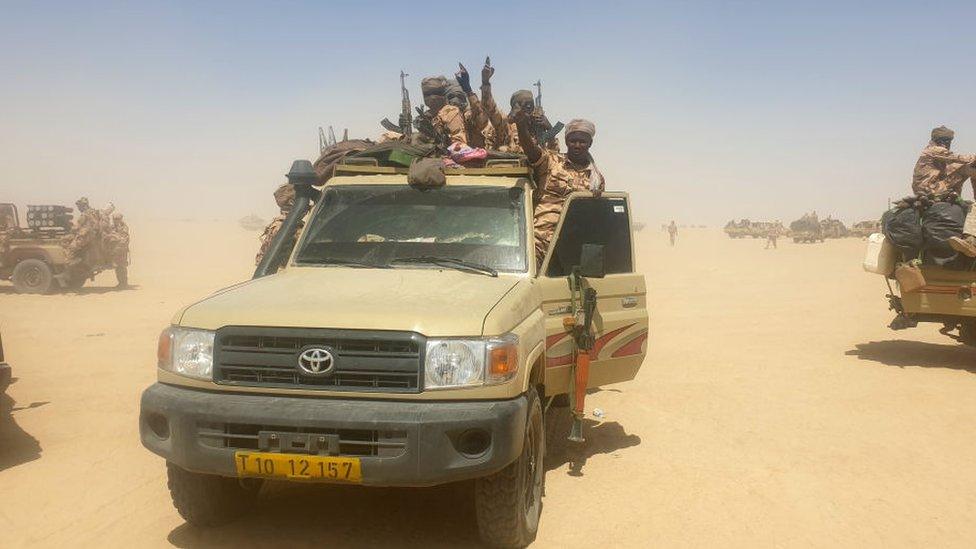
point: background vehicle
(34, 258)
(865, 229)
(834, 228)
(807, 229)
(411, 340)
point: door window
(603, 221)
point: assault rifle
(406, 117)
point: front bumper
(178, 424)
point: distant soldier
(772, 233)
(673, 232)
(7, 227)
(285, 197)
(446, 119)
(117, 244)
(941, 172)
(558, 175)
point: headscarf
(285, 196)
(434, 85)
(521, 96)
(580, 125)
(942, 132)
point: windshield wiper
(451, 262)
(344, 262)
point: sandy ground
(774, 409)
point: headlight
(187, 352)
(457, 363)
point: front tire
(508, 503)
(32, 276)
(209, 500)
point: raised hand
(486, 72)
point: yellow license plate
(298, 467)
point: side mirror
(592, 263)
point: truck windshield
(381, 225)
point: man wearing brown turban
(558, 175)
(940, 172)
(501, 133)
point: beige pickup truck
(410, 340)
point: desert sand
(774, 408)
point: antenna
(332, 139)
(322, 142)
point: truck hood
(433, 302)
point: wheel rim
(532, 475)
(33, 277)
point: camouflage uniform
(499, 133)
(475, 122)
(87, 230)
(450, 122)
(557, 177)
(285, 197)
(117, 243)
(941, 171)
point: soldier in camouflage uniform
(446, 119)
(86, 231)
(285, 197)
(117, 240)
(7, 227)
(941, 172)
(558, 175)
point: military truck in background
(411, 339)
(864, 229)
(744, 228)
(834, 228)
(34, 258)
(807, 229)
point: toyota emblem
(316, 361)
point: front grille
(303, 440)
(365, 361)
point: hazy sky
(704, 111)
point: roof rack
(371, 166)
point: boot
(122, 275)
(965, 245)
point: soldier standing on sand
(118, 246)
(772, 234)
(673, 232)
(86, 231)
(558, 175)
(941, 172)
(285, 197)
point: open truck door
(620, 322)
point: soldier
(501, 133)
(772, 233)
(941, 172)
(558, 175)
(117, 240)
(86, 231)
(447, 119)
(673, 232)
(7, 226)
(285, 197)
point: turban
(522, 96)
(942, 132)
(82, 201)
(285, 196)
(434, 85)
(580, 125)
